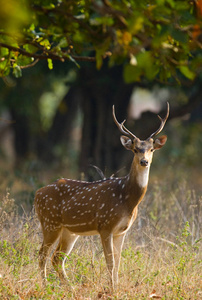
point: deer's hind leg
(49, 238)
(65, 245)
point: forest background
(63, 64)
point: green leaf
(50, 63)
(63, 43)
(171, 3)
(148, 65)
(182, 5)
(99, 59)
(17, 72)
(187, 72)
(30, 48)
(4, 51)
(32, 26)
(45, 43)
(23, 60)
(4, 68)
(144, 59)
(131, 73)
(100, 51)
(179, 36)
(102, 20)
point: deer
(70, 208)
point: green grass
(161, 258)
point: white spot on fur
(102, 206)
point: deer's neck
(141, 176)
(137, 183)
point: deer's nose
(144, 162)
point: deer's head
(143, 150)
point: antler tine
(163, 121)
(128, 131)
(121, 126)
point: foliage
(156, 39)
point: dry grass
(161, 258)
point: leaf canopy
(153, 39)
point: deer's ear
(126, 142)
(160, 142)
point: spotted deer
(69, 208)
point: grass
(161, 258)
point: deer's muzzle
(144, 162)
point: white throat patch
(143, 176)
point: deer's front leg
(117, 247)
(107, 243)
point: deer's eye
(152, 150)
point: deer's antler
(163, 122)
(121, 126)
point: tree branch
(48, 54)
(30, 65)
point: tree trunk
(21, 134)
(100, 137)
